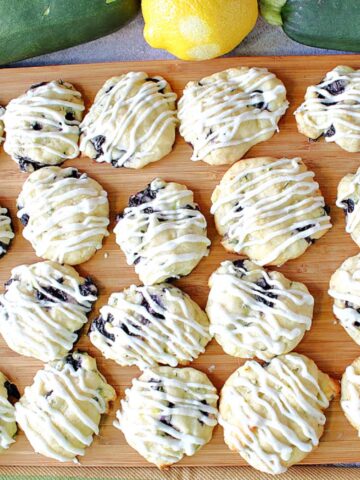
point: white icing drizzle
(56, 201)
(137, 231)
(351, 405)
(299, 189)
(219, 104)
(145, 405)
(342, 109)
(40, 105)
(7, 416)
(119, 108)
(348, 292)
(260, 332)
(43, 327)
(63, 384)
(5, 232)
(352, 218)
(286, 401)
(147, 336)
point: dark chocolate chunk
(262, 283)
(166, 420)
(98, 142)
(25, 219)
(146, 304)
(137, 260)
(144, 196)
(108, 90)
(88, 287)
(125, 329)
(12, 390)
(330, 132)
(240, 264)
(327, 209)
(48, 394)
(349, 205)
(69, 116)
(26, 164)
(74, 362)
(99, 324)
(50, 294)
(335, 88)
(356, 324)
(36, 126)
(156, 80)
(303, 229)
(3, 248)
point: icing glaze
(124, 109)
(144, 326)
(278, 407)
(47, 104)
(51, 429)
(261, 214)
(151, 232)
(322, 108)
(52, 200)
(221, 103)
(268, 322)
(42, 309)
(149, 402)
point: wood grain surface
(326, 343)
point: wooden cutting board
(326, 343)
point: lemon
(198, 29)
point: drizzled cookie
(168, 413)
(8, 427)
(350, 394)
(42, 126)
(348, 196)
(332, 109)
(272, 415)
(6, 231)
(345, 290)
(222, 116)
(269, 209)
(151, 325)
(132, 121)
(257, 313)
(43, 308)
(60, 412)
(65, 214)
(162, 232)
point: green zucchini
(34, 27)
(332, 24)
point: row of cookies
(133, 118)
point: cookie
(42, 126)
(65, 214)
(6, 231)
(222, 116)
(348, 196)
(8, 427)
(132, 121)
(350, 394)
(257, 313)
(272, 415)
(270, 210)
(168, 413)
(60, 412)
(162, 232)
(43, 308)
(331, 109)
(145, 326)
(345, 290)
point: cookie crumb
(106, 255)
(212, 368)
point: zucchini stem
(271, 11)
